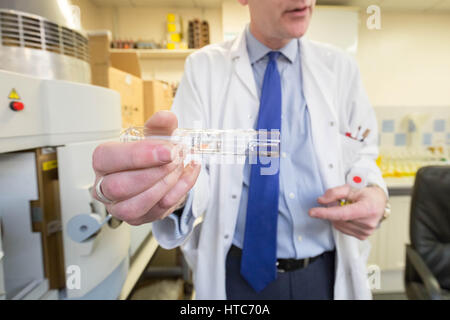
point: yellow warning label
(14, 95)
(49, 165)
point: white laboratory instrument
(36, 113)
(23, 254)
(106, 251)
(51, 119)
(39, 38)
(66, 121)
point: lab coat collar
(318, 81)
(242, 66)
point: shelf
(158, 53)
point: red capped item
(357, 179)
(16, 106)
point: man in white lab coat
(300, 244)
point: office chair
(427, 272)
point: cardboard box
(131, 93)
(120, 72)
(158, 96)
(101, 55)
(126, 61)
(99, 43)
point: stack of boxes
(121, 71)
(198, 33)
(194, 34)
(204, 36)
(118, 72)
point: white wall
(92, 17)
(234, 18)
(335, 25)
(407, 62)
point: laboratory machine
(51, 121)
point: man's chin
(296, 32)
(296, 29)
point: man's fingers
(115, 156)
(334, 194)
(136, 207)
(184, 184)
(123, 185)
(162, 123)
(348, 212)
(366, 224)
(168, 203)
(350, 230)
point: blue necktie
(259, 252)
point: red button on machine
(16, 106)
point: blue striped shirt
(298, 235)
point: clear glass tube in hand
(214, 142)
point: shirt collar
(257, 50)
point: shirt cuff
(378, 180)
(183, 222)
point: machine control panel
(38, 112)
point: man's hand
(359, 219)
(145, 180)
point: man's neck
(272, 43)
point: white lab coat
(218, 90)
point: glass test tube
(214, 142)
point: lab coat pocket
(350, 151)
(190, 247)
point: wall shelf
(158, 53)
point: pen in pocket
(363, 136)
